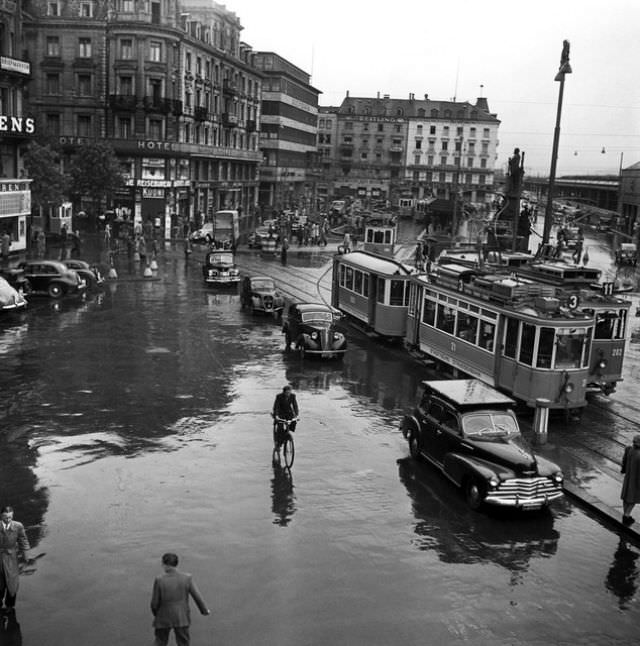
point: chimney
(482, 104)
(426, 97)
(378, 95)
(347, 94)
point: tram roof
(468, 392)
(377, 264)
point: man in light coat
(170, 602)
(13, 540)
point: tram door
(373, 298)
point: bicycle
(283, 438)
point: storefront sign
(166, 146)
(24, 125)
(15, 65)
(12, 187)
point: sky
(506, 51)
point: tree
(49, 184)
(94, 172)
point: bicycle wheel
(289, 450)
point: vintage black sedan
(311, 328)
(90, 273)
(219, 268)
(52, 278)
(259, 294)
(470, 432)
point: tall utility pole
(565, 68)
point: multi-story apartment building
(451, 147)
(169, 84)
(388, 148)
(629, 201)
(327, 147)
(288, 177)
(16, 126)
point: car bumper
(523, 502)
(223, 280)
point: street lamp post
(565, 68)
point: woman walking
(631, 484)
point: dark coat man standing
(170, 602)
(13, 540)
(630, 494)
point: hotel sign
(15, 65)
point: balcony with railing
(229, 120)
(157, 104)
(200, 113)
(124, 102)
(229, 88)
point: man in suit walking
(13, 540)
(170, 602)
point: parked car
(311, 328)
(11, 300)
(220, 268)
(627, 254)
(257, 238)
(259, 294)
(470, 432)
(16, 278)
(203, 234)
(53, 278)
(90, 273)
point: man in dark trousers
(170, 602)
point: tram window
(527, 342)
(396, 296)
(489, 315)
(365, 284)
(545, 347)
(380, 295)
(511, 338)
(569, 344)
(446, 318)
(342, 273)
(622, 325)
(369, 235)
(387, 237)
(487, 336)
(606, 324)
(349, 278)
(357, 282)
(429, 312)
(378, 237)
(467, 327)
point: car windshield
(487, 424)
(262, 283)
(323, 317)
(221, 258)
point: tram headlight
(568, 388)
(602, 364)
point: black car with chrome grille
(311, 329)
(470, 432)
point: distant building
(327, 147)
(17, 126)
(389, 149)
(629, 207)
(288, 132)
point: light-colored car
(11, 300)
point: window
(467, 327)
(155, 128)
(429, 312)
(53, 83)
(432, 130)
(472, 133)
(430, 160)
(84, 47)
(416, 160)
(487, 336)
(126, 48)
(569, 346)
(527, 342)
(124, 127)
(443, 161)
(83, 125)
(545, 347)
(187, 61)
(459, 131)
(127, 6)
(445, 145)
(485, 133)
(86, 9)
(483, 163)
(155, 52)
(396, 292)
(84, 85)
(380, 294)
(349, 278)
(380, 127)
(446, 318)
(418, 144)
(125, 84)
(53, 9)
(53, 124)
(53, 46)
(470, 162)
(511, 338)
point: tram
(509, 332)
(373, 290)
(578, 288)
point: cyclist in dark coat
(285, 406)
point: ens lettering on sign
(26, 125)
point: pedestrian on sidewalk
(13, 541)
(283, 251)
(630, 494)
(170, 602)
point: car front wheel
(473, 493)
(414, 447)
(55, 290)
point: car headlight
(337, 336)
(494, 482)
(558, 478)
(212, 272)
(314, 335)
